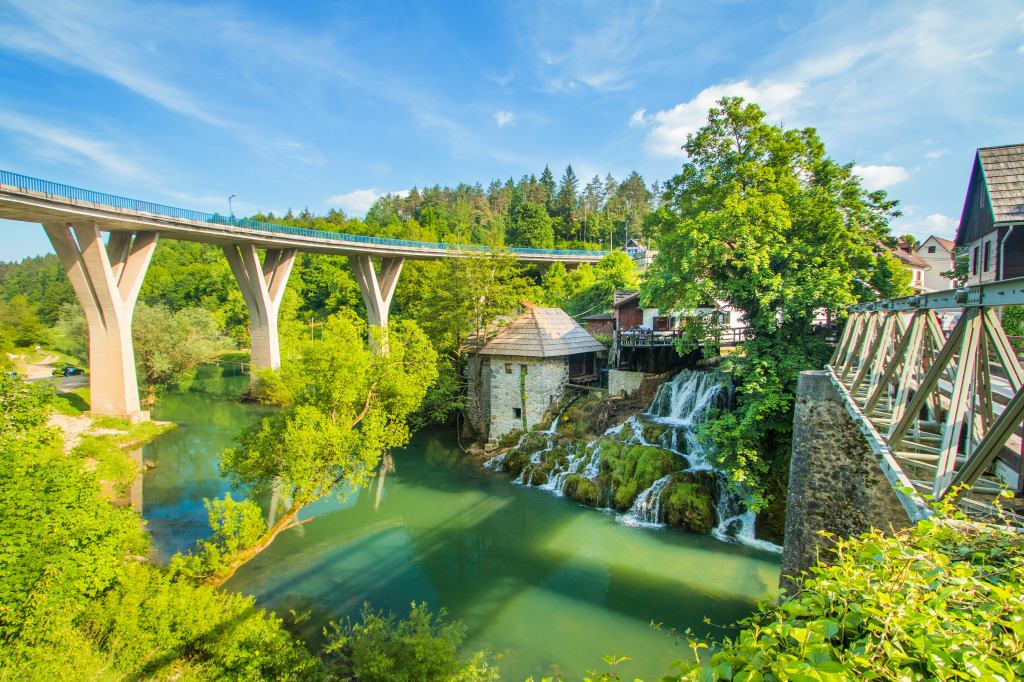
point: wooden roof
(543, 333)
(1004, 175)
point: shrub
(421, 648)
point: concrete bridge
(905, 413)
(107, 276)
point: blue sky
(330, 104)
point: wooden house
(992, 223)
(602, 323)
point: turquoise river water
(549, 585)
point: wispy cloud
(937, 154)
(881, 177)
(504, 118)
(68, 145)
(359, 200)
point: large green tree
(345, 406)
(763, 220)
(477, 294)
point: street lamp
(230, 211)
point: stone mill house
(524, 369)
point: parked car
(67, 371)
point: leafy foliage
(76, 600)
(421, 648)
(761, 219)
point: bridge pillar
(835, 481)
(107, 279)
(262, 288)
(376, 291)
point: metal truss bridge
(942, 412)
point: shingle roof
(910, 258)
(1004, 176)
(948, 243)
(600, 316)
(543, 333)
(628, 299)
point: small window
(988, 257)
(931, 249)
(508, 368)
(974, 260)
(517, 412)
(523, 369)
(725, 317)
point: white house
(938, 254)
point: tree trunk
(284, 523)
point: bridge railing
(77, 195)
(941, 410)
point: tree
(479, 291)
(761, 219)
(546, 189)
(566, 200)
(345, 406)
(530, 227)
(168, 345)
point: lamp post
(230, 210)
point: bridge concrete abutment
(835, 482)
(262, 286)
(377, 290)
(107, 279)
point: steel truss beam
(934, 404)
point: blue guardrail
(75, 194)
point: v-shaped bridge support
(262, 288)
(377, 290)
(106, 279)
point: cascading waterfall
(646, 510)
(681, 405)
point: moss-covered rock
(582, 490)
(628, 470)
(657, 434)
(688, 505)
(514, 462)
(535, 441)
(626, 434)
(539, 473)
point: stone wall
(545, 381)
(623, 383)
(835, 481)
(471, 391)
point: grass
(112, 463)
(73, 403)
(234, 356)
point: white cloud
(938, 154)
(671, 127)
(57, 142)
(880, 177)
(936, 224)
(504, 118)
(360, 200)
(637, 119)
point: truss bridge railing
(942, 411)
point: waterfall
(686, 399)
(646, 510)
(681, 404)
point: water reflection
(553, 585)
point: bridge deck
(31, 200)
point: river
(549, 585)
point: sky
(332, 104)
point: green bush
(421, 648)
